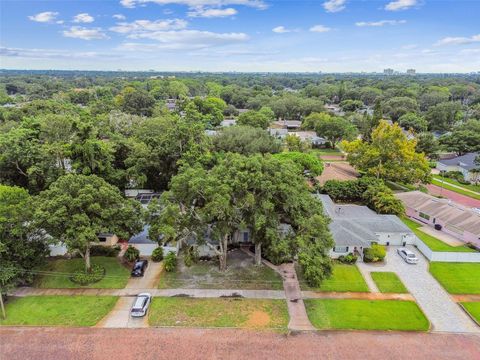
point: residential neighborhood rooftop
(466, 161)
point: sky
(241, 35)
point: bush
(101, 250)
(374, 254)
(170, 262)
(85, 278)
(348, 259)
(191, 256)
(131, 254)
(157, 254)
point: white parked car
(141, 304)
(407, 255)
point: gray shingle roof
(466, 161)
(142, 237)
(354, 225)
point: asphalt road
(157, 343)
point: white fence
(445, 256)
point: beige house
(107, 239)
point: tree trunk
(223, 253)
(258, 254)
(88, 266)
(3, 307)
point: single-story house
(443, 214)
(310, 136)
(355, 228)
(104, 239)
(278, 133)
(464, 164)
(288, 124)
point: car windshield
(411, 255)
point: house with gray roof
(464, 164)
(356, 227)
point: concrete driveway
(436, 303)
(120, 317)
(149, 280)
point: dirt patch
(258, 319)
(337, 171)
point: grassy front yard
(241, 274)
(366, 314)
(432, 242)
(241, 313)
(344, 278)
(388, 282)
(457, 278)
(57, 274)
(473, 309)
(58, 310)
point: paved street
(452, 195)
(186, 344)
(436, 303)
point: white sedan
(141, 304)
(407, 255)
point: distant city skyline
(242, 35)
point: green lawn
(457, 278)
(226, 312)
(388, 282)
(437, 182)
(473, 309)
(58, 310)
(240, 274)
(366, 314)
(344, 278)
(326, 151)
(472, 187)
(432, 242)
(116, 276)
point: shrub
(348, 259)
(170, 262)
(374, 254)
(83, 278)
(157, 254)
(131, 254)
(191, 256)
(101, 250)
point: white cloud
(320, 28)
(183, 39)
(119, 17)
(259, 4)
(83, 18)
(400, 5)
(282, 30)
(47, 53)
(409, 46)
(44, 17)
(143, 26)
(211, 12)
(80, 32)
(334, 5)
(380, 23)
(458, 40)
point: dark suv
(139, 267)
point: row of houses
(464, 164)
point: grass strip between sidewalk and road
(388, 282)
(57, 310)
(348, 314)
(223, 312)
(473, 309)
